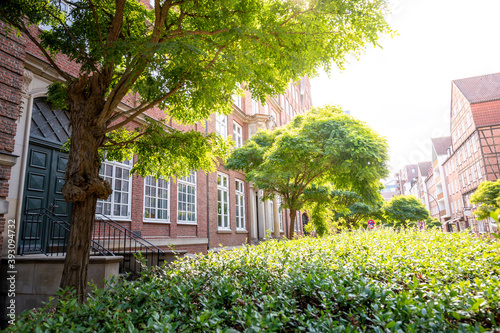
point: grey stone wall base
(4, 206)
(37, 278)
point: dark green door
(43, 202)
(42, 196)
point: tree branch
(116, 24)
(137, 111)
(123, 143)
(91, 4)
(22, 27)
(219, 50)
(293, 16)
(78, 46)
(176, 33)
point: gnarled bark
(83, 185)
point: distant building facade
(461, 161)
(475, 148)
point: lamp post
(437, 205)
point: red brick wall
(61, 60)
(12, 53)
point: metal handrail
(34, 246)
(122, 241)
(109, 238)
(136, 236)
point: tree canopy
(323, 147)
(404, 211)
(487, 197)
(433, 223)
(338, 210)
(184, 57)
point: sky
(403, 90)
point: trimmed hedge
(378, 281)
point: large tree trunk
(83, 185)
(293, 214)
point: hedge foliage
(377, 281)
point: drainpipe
(208, 201)
(257, 214)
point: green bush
(376, 281)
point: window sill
(117, 219)
(225, 231)
(242, 231)
(187, 223)
(155, 221)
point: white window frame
(255, 106)
(474, 144)
(237, 100)
(223, 222)
(472, 172)
(157, 188)
(188, 182)
(221, 124)
(469, 150)
(111, 200)
(463, 180)
(66, 11)
(468, 120)
(237, 135)
(479, 171)
(266, 108)
(240, 204)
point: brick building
(460, 162)
(193, 214)
(404, 179)
(418, 188)
(469, 156)
(475, 148)
(438, 199)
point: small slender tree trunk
(83, 187)
(293, 214)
